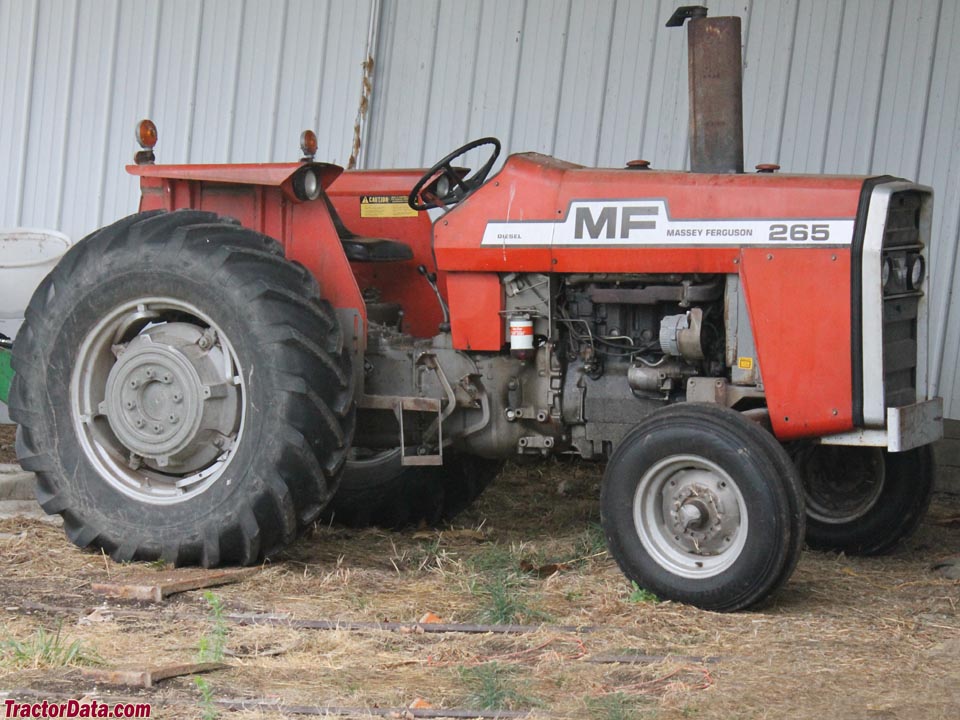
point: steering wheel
(451, 187)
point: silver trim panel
(907, 427)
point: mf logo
(608, 220)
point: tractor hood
(547, 212)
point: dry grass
(8, 434)
(846, 638)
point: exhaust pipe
(716, 90)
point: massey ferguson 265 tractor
(745, 351)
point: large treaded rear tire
(379, 491)
(296, 401)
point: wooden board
(154, 587)
(146, 677)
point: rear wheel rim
(690, 516)
(841, 485)
(157, 400)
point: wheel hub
(694, 509)
(690, 516)
(169, 400)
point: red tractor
(746, 352)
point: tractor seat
(362, 249)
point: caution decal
(385, 206)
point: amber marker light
(146, 134)
(308, 144)
(147, 139)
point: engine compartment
(587, 357)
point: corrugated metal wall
(855, 86)
(860, 86)
(225, 81)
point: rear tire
(863, 501)
(702, 506)
(379, 491)
(182, 391)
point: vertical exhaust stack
(716, 90)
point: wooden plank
(416, 628)
(154, 587)
(146, 677)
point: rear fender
(261, 197)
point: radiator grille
(902, 246)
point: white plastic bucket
(26, 256)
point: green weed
(616, 706)
(501, 588)
(46, 649)
(213, 643)
(493, 558)
(208, 709)
(590, 543)
(493, 686)
(503, 600)
(641, 595)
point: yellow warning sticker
(385, 206)
(745, 363)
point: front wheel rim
(158, 400)
(690, 516)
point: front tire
(863, 500)
(701, 506)
(183, 392)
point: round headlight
(887, 272)
(306, 185)
(917, 270)
(311, 186)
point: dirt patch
(8, 434)
(846, 637)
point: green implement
(6, 374)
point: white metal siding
(225, 81)
(862, 86)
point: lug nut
(134, 383)
(177, 397)
(166, 377)
(174, 419)
(150, 373)
(158, 428)
(138, 422)
(130, 404)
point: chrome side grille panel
(892, 311)
(902, 241)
